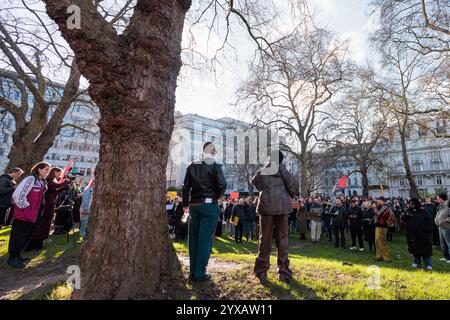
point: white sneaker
(352, 248)
(415, 266)
(443, 259)
(361, 249)
(448, 261)
(429, 268)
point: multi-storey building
(429, 158)
(82, 147)
(229, 135)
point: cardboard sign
(172, 194)
(234, 195)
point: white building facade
(429, 158)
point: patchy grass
(43, 274)
(320, 272)
(324, 272)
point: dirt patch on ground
(35, 278)
(214, 265)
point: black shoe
(285, 279)
(262, 279)
(16, 263)
(206, 277)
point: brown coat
(275, 191)
(302, 215)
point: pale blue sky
(210, 95)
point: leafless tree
(288, 88)
(132, 70)
(30, 57)
(421, 25)
(359, 120)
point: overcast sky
(210, 94)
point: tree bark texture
(133, 80)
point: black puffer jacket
(202, 181)
(6, 190)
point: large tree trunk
(304, 184)
(24, 152)
(413, 191)
(133, 79)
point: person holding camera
(42, 231)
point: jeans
(250, 229)
(201, 228)
(83, 223)
(238, 231)
(444, 239)
(356, 231)
(339, 234)
(426, 260)
(316, 229)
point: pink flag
(66, 170)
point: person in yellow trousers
(383, 219)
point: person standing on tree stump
(203, 186)
(276, 187)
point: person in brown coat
(276, 186)
(302, 215)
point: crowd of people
(44, 195)
(367, 223)
(278, 212)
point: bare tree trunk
(133, 79)
(365, 183)
(304, 183)
(413, 191)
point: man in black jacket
(239, 213)
(355, 217)
(204, 184)
(7, 186)
(339, 216)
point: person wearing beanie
(276, 185)
(442, 220)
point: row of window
(439, 180)
(67, 157)
(80, 146)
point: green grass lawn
(45, 272)
(320, 272)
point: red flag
(340, 185)
(66, 170)
(343, 182)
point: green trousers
(201, 228)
